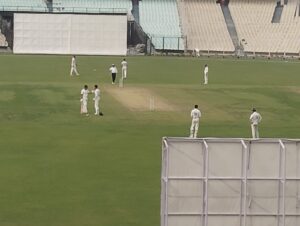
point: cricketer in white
(84, 100)
(205, 74)
(96, 99)
(124, 68)
(255, 118)
(195, 114)
(73, 66)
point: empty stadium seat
(160, 20)
(252, 19)
(204, 25)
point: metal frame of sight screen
(230, 182)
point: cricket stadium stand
(189, 24)
(92, 6)
(253, 23)
(21, 5)
(204, 25)
(160, 20)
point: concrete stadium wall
(230, 182)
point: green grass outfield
(58, 168)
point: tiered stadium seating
(21, 5)
(204, 24)
(252, 19)
(92, 6)
(291, 22)
(159, 18)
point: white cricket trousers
(205, 78)
(254, 129)
(124, 72)
(84, 109)
(194, 128)
(74, 69)
(97, 108)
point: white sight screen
(230, 182)
(70, 34)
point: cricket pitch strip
(140, 99)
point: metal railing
(62, 9)
(174, 43)
(24, 8)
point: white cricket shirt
(73, 63)
(124, 64)
(205, 69)
(195, 114)
(84, 93)
(255, 118)
(97, 93)
(113, 70)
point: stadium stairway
(136, 10)
(277, 13)
(49, 5)
(231, 27)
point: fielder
(195, 114)
(255, 118)
(73, 66)
(84, 100)
(96, 99)
(124, 68)
(205, 74)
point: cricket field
(60, 168)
